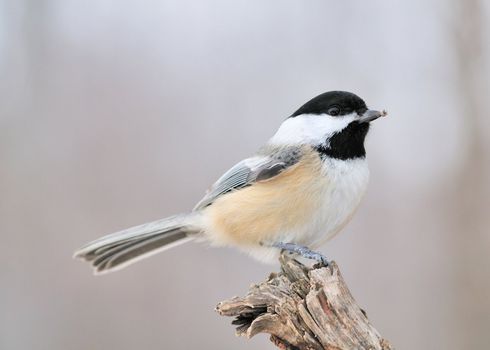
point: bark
(304, 308)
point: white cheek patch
(310, 128)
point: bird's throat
(346, 144)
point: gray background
(114, 113)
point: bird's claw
(305, 252)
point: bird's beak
(371, 115)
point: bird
(294, 194)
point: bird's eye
(334, 110)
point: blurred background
(114, 113)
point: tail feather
(131, 252)
(120, 249)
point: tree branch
(304, 308)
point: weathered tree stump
(304, 308)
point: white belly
(344, 186)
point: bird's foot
(305, 252)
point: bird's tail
(120, 249)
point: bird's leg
(305, 252)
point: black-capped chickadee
(295, 193)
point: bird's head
(335, 123)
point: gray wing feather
(250, 170)
(270, 171)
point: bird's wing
(251, 170)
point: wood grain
(304, 308)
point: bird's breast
(347, 184)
